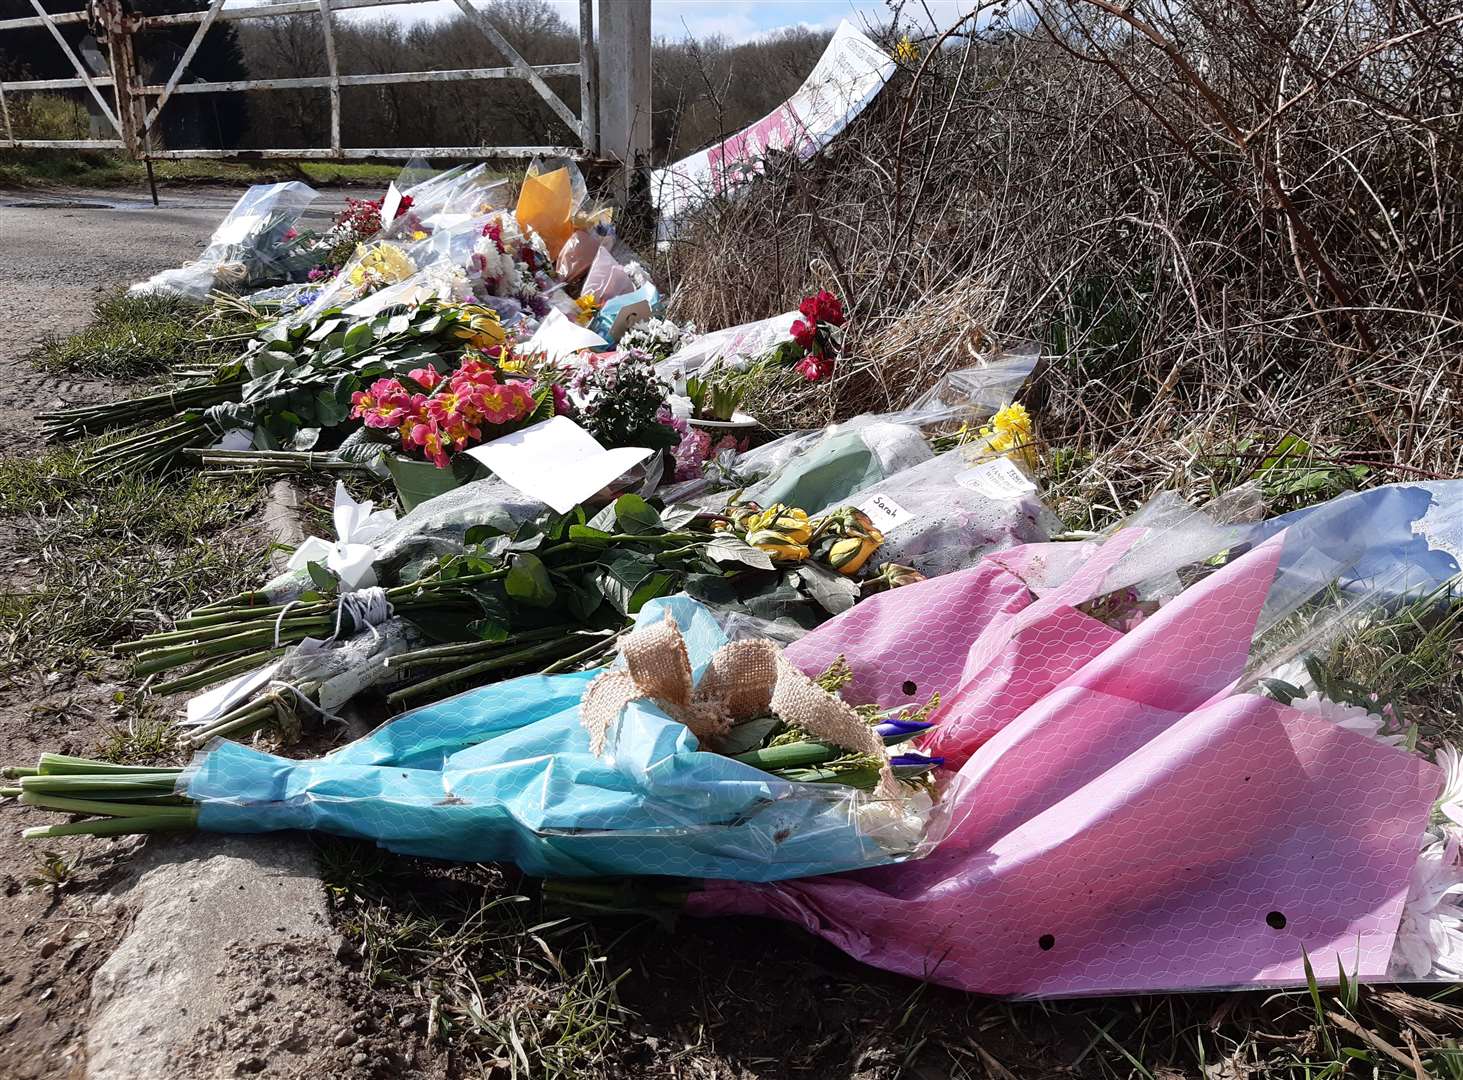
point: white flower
(1430, 937)
(1449, 806)
(350, 556)
(897, 826)
(1351, 717)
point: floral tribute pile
(857, 678)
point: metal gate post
(624, 91)
(116, 30)
(588, 81)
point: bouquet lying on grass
(552, 591)
(699, 758)
(292, 381)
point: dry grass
(1223, 224)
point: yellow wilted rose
(779, 545)
(848, 539)
(788, 520)
(478, 326)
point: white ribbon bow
(351, 555)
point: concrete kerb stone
(191, 900)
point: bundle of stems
(130, 412)
(450, 668)
(271, 462)
(119, 799)
(567, 647)
(151, 448)
(221, 638)
(809, 761)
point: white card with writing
(885, 513)
(1000, 478)
(557, 462)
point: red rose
(822, 307)
(805, 333)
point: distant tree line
(702, 90)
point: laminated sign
(851, 71)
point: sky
(735, 20)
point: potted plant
(716, 403)
(425, 424)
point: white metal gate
(132, 108)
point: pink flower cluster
(812, 332)
(452, 413)
(696, 448)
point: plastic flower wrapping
(1133, 811)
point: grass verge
(45, 168)
(140, 335)
(98, 563)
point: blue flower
(886, 728)
(916, 761)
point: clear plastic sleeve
(1144, 807)
(256, 244)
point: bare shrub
(1216, 218)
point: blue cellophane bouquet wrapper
(504, 773)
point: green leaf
(588, 536)
(675, 517)
(478, 533)
(622, 577)
(661, 583)
(1281, 690)
(834, 592)
(582, 598)
(730, 549)
(397, 324)
(358, 337)
(604, 520)
(528, 582)
(635, 515)
(323, 329)
(322, 577)
(711, 589)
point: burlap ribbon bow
(744, 679)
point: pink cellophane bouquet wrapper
(1121, 817)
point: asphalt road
(59, 250)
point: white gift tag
(390, 203)
(557, 462)
(1000, 479)
(885, 513)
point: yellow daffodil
(905, 51)
(587, 309)
(1010, 432)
